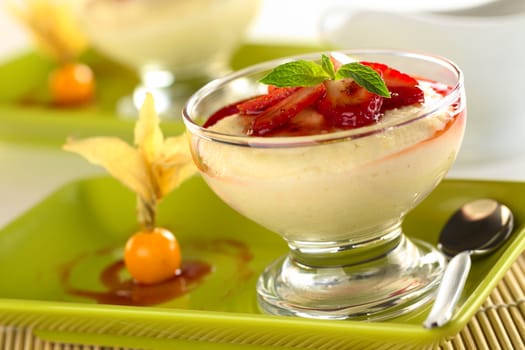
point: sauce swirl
(126, 291)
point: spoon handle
(449, 291)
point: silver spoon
(477, 228)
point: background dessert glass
(176, 46)
(338, 199)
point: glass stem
(347, 253)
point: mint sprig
(308, 73)
(296, 73)
(365, 76)
(328, 66)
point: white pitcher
(487, 42)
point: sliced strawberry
(339, 59)
(307, 122)
(335, 62)
(440, 88)
(349, 105)
(403, 88)
(220, 114)
(272, 89)
(259, 103)
(280, 113)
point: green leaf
(328, 66)
(308, 73)
(296, 73)
(364, 76)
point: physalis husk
(52, 25)
(154, 168)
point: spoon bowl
(477, 228)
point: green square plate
(82, 227)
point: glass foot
(393, 283)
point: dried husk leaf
(120, 159)
(175, 164)
(152, 170)
(146, 213)
(52, 25)
(148, 135)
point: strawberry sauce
(125, 291)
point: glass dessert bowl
(338, 196)
(175, 46)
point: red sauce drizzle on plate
(125, 291)
(128, 292)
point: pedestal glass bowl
(338, 199)
(175, 46)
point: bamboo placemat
(499, 323)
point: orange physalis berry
(152, 256)
(72, 84)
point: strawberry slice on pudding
(349, 105)
(403, 88)
(260, 103)
(280, 113)
(337, 94)
(307, 122)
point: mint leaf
(328, 66)
(296, 73)
(364, 76)
(308, 73)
